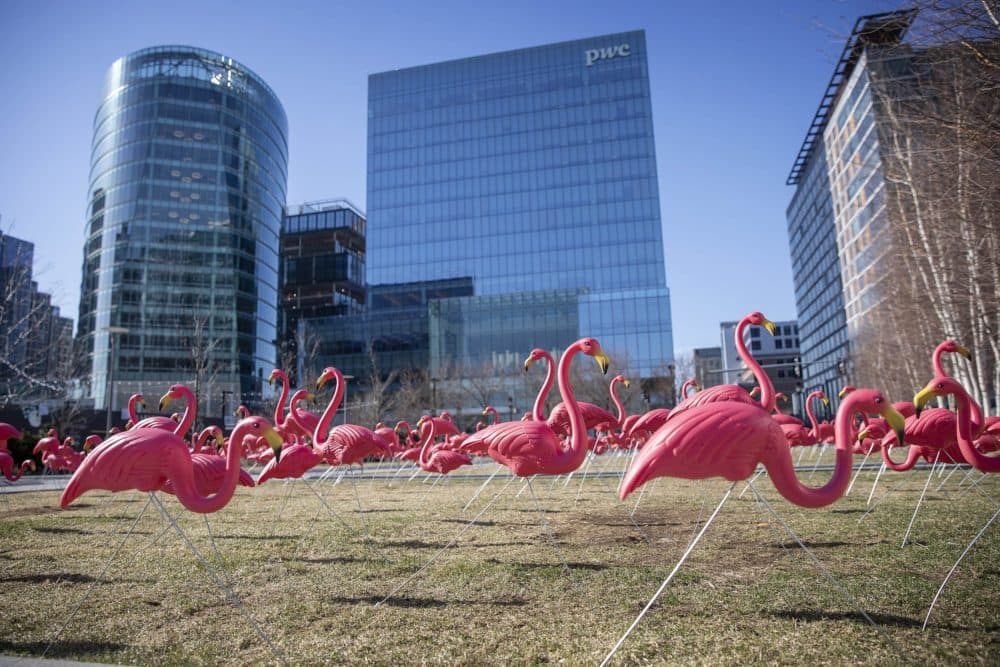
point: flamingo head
(535, 355)
(329, 373)
(953, 346)
(755, 392)
(261, 428)
(90, 441)
(8, 432)
(871, 401)
(591, 348)
(757, 318)
(845, 391)
(176, 391)
(781, 396)
(942, 385)
(622, 379)
(445, 416)
(274, 376)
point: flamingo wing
(725, 439)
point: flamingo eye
(940, 385)
(878, 400)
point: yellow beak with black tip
(769, 325)
(626, 383)
(165, 401)
(921, 398)
(602, 361)
(826, 401)
(320, 382)
(862, 435)
(964, 351)
(896, 421)
(527, 363)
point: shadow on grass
(811, 545)
(258, 537)
(466, 521)
(408, 602)
(63, 648)
(572, 565)
(412, 544)
(851, 510)
(68, 578)
(330, 559)
(71, 531)
(890, 620)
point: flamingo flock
(719, 432)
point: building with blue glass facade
(187, 186)
(531, 176)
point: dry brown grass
(747, 594)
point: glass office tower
(187, 185)
(533, 174)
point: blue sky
(734, 85)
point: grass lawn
(502, 596)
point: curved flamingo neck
(809, 409)
(426, 440)
(617, 401)
(965, 430)
(492, 412)
(279, 409)
(319, 435)
(293, 410)
(537, 413)
(133, 400)
(783, 472)
(684, 388)
(767, 398)
(189, 412)
(576, 450)
(188, 494)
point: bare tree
(34, 348)
(937, 99)
(376, 400)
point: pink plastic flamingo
(343, 444)
(533, 447)
(434, 458)
(966, 428)
(146, 458)
(729, 439)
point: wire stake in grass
(920, 500)
(480, 489)
(875, 483)
(445, 547)
(99, 577)
(663, 586)
(548, 529)
(230, 593)
(858, 472)
(829, 575)
(955, 566)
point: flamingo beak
(896, 421)
(769, 325)
(626, 382)
(602, 361)
(826, 401)
(964, 351)
(527, 363)
(142, 402)
(696, 385)
(274, 440)
(862, 435)
(165, 401)
(920, 399)
(842, 393)
(321, 381)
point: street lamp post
(114, 332)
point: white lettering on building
(607, 53)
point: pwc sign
(607, 53)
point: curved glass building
(187, 184)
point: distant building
(180, 265)
(530, 178)
(36, 343)
(892, 106)
(707, 366)
(322, 276)
(778, 355)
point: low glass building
(180, 267)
